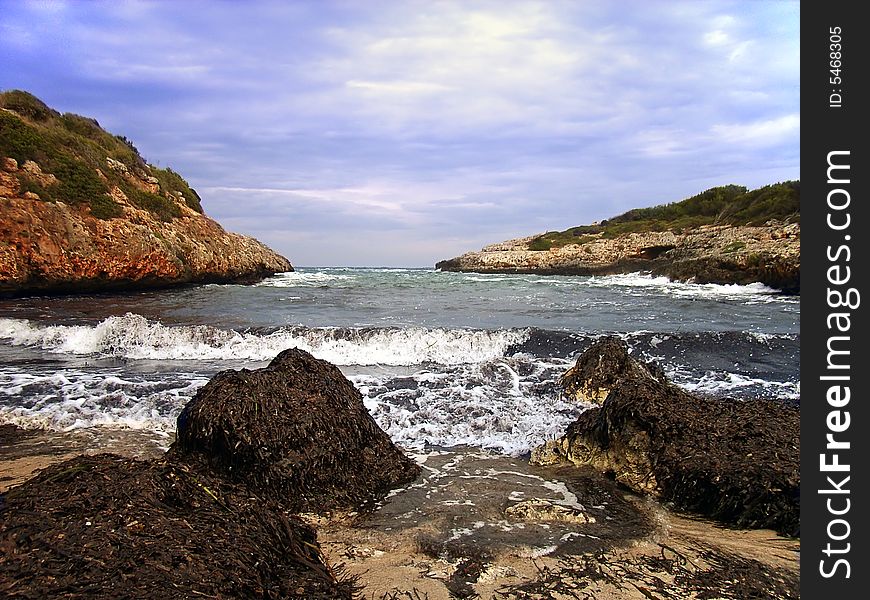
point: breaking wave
(135, 337)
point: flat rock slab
(469, 503)
(450, 534)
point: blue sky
(399, 133)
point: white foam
(720, 383)
(302, 279)
(539, 552)
(509, 405)
(753, 292)
(469, 393)
(487, 277)
(72, 399)
(133, 336)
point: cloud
(760, 133)
(452, 121)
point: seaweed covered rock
(108, 527)
(735, 461)
(296, 429)
(600, 367)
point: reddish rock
(55, 248)
(67, 225)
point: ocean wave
(509, 405)
(73, 399)
(757, 292)
(302, 279)
(724, 383)
(135, 337)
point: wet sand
(482, 525)
(453, 534)
(23, 452)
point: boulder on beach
(212, 517)
(296, 430)
(109, 527)
(600, 367)
(737, 461)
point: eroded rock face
(723, 254)
(55, 248)
(296, 430)
(604, 364)
(735, 461)
(52, 247)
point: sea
(442, 360)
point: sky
(399, 133)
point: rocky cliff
(81, 211)
(696, 247)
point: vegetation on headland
(724, 205)
(80, 154)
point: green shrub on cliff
(172, 181)
(19, 140)
(75, 150)
(725, 205)
(543, 242)
(161, 206)
(26, 105)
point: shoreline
(446, 534)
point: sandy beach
(447, 534)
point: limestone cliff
(81, 211)
(710, 248)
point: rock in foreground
(103, 526)
(214, 516)
(735, 461)
(601, 367)
(297, 430)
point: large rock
(55, 248)
(213, 517)
(296, 430)
(735, 461)
(602, 366)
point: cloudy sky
(399, 133)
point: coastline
(445, 535)
(721, 254)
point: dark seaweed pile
(603, 364)
(213, 517)
(296, 429)
(108, 527)
(735, 461)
